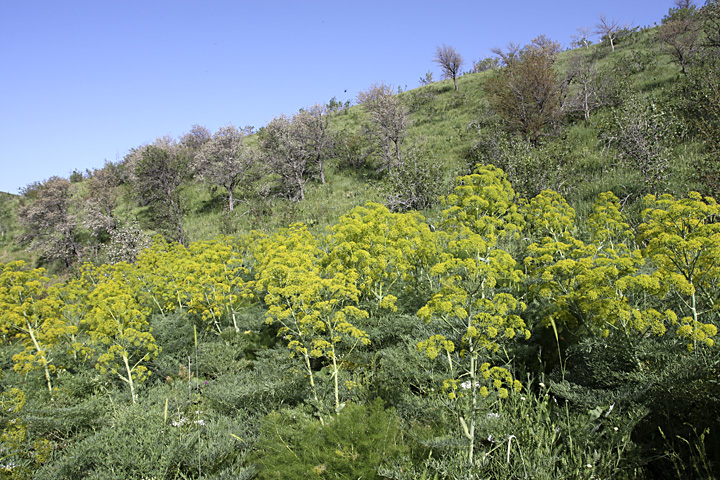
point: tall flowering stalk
(30, 314)
(473, 302)
(118, 327)
(316, 310)
(682, 238)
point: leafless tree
(582, 38)
(226, 161)
(680, 34)
(450, 62)
(607, 28)
(388, 122)
(297, 148)
(585, 86)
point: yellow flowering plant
(315, 309)
(216, 285)
(473, 305)
(385, 249)
(483, 202)
(594, 286)
(118, 328)
(159, 276)
(31, 315)
(20, 454)
(682, 239)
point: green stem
(40, 351)
(129, 378)
(337, 386)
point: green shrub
(349, 446)
(269, 382)
(139, 443)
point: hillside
(454, 131)
(541, 301)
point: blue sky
(83, 82)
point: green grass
(10, 231)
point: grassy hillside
(448, 127)
(10, 248)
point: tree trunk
(322, 171)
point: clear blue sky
(85, 81)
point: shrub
(351, 445)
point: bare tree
(388, 121)
(226, 161)
(582, 38)
(585, 86)
(297, 148)
(680, 34)
(607, 28)
(450, 62)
